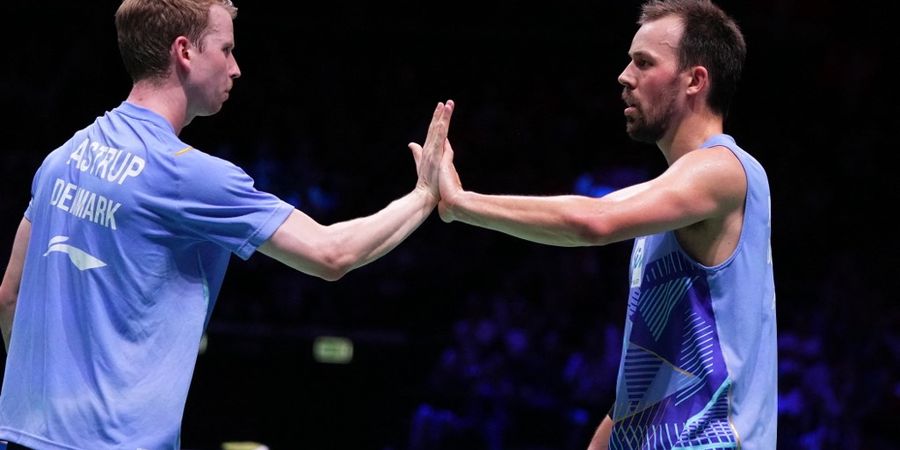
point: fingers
(438, 110)
(440, 122)
(428, 155)
(434, 128)
(432, 150)
(445, 119)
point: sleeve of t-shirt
(216, 201)
(34, 184)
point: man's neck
(689, 135)
(163, 98)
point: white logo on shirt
(82, 260)
(637, 263)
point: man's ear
(698, 80)
(181, 52)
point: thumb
(447, 156)
(416, 151)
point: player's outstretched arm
(699, 186)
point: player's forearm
(363, 240)
(12, 279)
(566, 221)
(8, 297)
(7, 312)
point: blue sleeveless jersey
(132, 231)
(699, 359)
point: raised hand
(449, 184)
(428, 158)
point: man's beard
(646, 132)
(651, 129)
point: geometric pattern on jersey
(707, 430)
(674, 379)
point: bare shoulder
(717, 179)
(715, 170)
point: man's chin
(641, 134)
(211, 110)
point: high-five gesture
(332, 251)
(428, 159)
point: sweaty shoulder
(715, 170)
(717, 184)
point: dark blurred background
(469, 339)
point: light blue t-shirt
(699, 358)
(132, 231)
